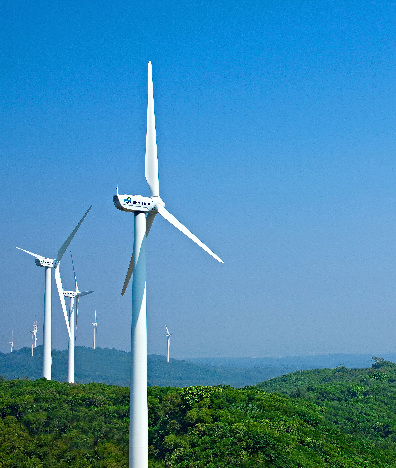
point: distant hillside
(293, 363)
(111, 366)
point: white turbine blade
(74, 273)
(65, 245)
(149, 223)
(165, 213)
(151, 160)
(31, 253)
(128, 276)
(76, 305)
(62, 297)
(83, 293)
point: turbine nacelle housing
(137, 203)
(70, 293)
(45, 262)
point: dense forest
(338, 417)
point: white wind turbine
(144, 210)
(12, 341)
(168, 335)
(95, 325)
(71, 318)
(34, 335)
(49, 263)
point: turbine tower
(168, 335)
(34, 335)
(95, 325)
(49, 263)
(144, 209)
(12, 341)
(71, 318)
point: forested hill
(361, 402)
(112, 366)
(47, 424)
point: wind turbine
(95, 325)
(49, 263)
(34, 335)
(71, 318)
(12, 341)
(144, 209)
(168, 335)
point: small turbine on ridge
(12, 341)
(34, 335)
(168, 335)
(95, 325)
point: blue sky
(276, 146)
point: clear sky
(276, 143)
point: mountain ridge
(112, 366)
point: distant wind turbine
(49, 263)
(34, 335)
(95, 325)
(168, 335)
(12, 341)
(71, 318)
(144, 209)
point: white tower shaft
(70, 373)
(47, 361)
(138, 429)
(95, 324)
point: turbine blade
(128, 276)
(83, 293)
(65, 245)
(165, 213)
(31, 253)
(74, 273)
(76, 313)
(149, 223)
(151, 160)
(62, 297)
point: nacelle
(135, 203)
(45, 262)
(70, 293)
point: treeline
(328, 418)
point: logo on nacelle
(133, 203)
